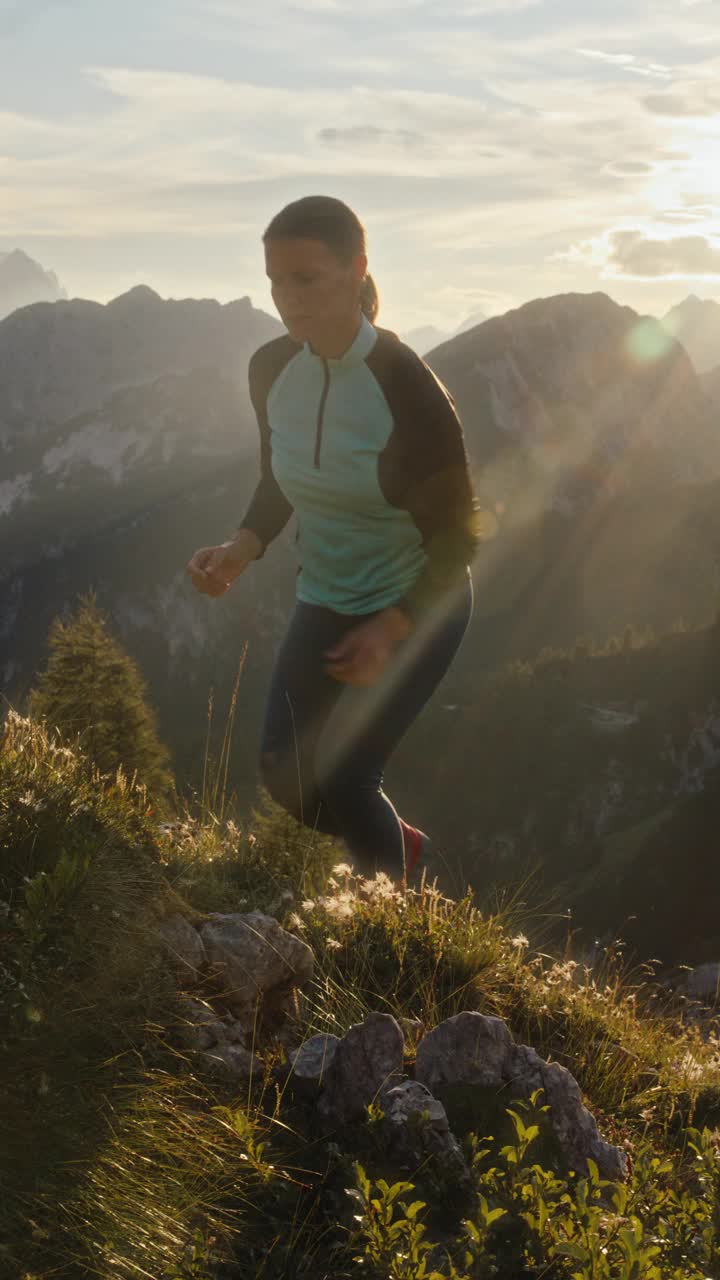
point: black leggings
(325, 744)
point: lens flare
(648, 341)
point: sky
(496, 150)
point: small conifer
(93, 690)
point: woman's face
(315, 293)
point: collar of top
(360, 347)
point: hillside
(595, 773)
(209, 1081)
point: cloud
(695, 100)
(421, 8)
(634, 254)
(629, 168)
(370, 134)
(629, 62)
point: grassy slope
(122, 1159)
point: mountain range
(426, 337)
(127, 441)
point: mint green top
(357, 552)
(368, 452)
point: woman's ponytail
(369, 299)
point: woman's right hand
(214, 569)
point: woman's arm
(269, 509)
(425, 469)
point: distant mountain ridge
(592, 395)
(65, 358)
(426, 337)
(127, 440)
(696, 324)
(23, 282)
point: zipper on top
(321, 411)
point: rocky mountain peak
(596, 398)
(23, 282)
(695, 322)
(139, 295)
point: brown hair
(335, 224)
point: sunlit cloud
(493, 147)
(629, 62)
(633, 254)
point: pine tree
(93, 689)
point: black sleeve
(269, 509)
(425, 469)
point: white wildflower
(341, 907)
(332, 944)
(295, 921)
(519, 941)
(380, 887)
(342, 869)
(308, 905)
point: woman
(361, 440)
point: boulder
(574, 1126)
(183, 944)
(367, 1063)
(254, 958)
(472, 1049)
(201, 1026)
(416, 1126)
(311, 1062)
(233, 1060)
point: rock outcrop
(416, 1126)
(366, 1065)
(472, 1049)
(254, 961)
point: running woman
(361, 440)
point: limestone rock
(312, 1061)
(254, 957)
(416, 1126)
(575, 1126)
(201, 1025)
(470, 1048)
(367, 1063)
(183, 944)
(232, 1059)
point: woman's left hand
(364, 652)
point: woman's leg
(325, 745)
(300, 698)
(365, 725)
